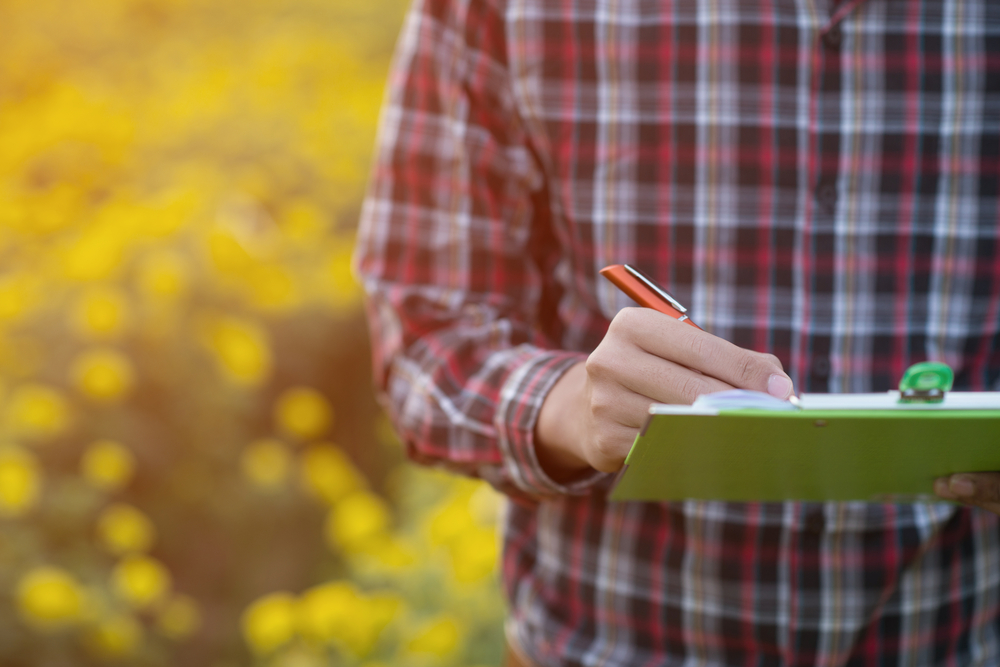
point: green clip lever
(925, 382)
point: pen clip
(659, 291)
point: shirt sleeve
(445, 255)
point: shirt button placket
(826, 190)
(826, 195)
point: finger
(714, 356)
(666, 338)
(631, 368)
(975, 488)
(667, 382)
(617, 405)
(943, 490)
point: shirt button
(821, 367)
(833, 37)
(826, 197)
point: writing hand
(978, 489)
(593, 413)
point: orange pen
(645, 292)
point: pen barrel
(641, 294)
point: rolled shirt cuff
(521, 398)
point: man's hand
(594, 411)
(979, 489)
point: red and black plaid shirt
(815, 180)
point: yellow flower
(265, 463)
(391, 552)
(486, 504)
(474, 555)
(327, 473)
(269, 622)
(123, 529)
(301, 222)
(107, 465)
(101, 313)
(49, 598)
(374, 613)
(439, 637)
(37, 411)
(241, 349)
(115, 637)
(337, 613)
(303, 412)
(228, 254)
(169, 211)
(18, 295)
(356, 521)
(179, 618)
(272, 287)
(164, 275)
(449, 521)
(96, 255)
(19, 481)
(140, 580)
(322, 612)
(102, 374)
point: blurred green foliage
(193, 469)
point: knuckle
(593, 363)
(775, 360)
(700, 346)
(600, 405)
(747, 369)
(692, 387)
(599, 364)
(624, 320)
(615, 326)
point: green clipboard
(869, 447)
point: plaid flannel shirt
(816, 180)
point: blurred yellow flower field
(193, 468)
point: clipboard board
(868, 447)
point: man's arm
(444, 254)
(443, 251)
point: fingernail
(779, 386)
(962, 486)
